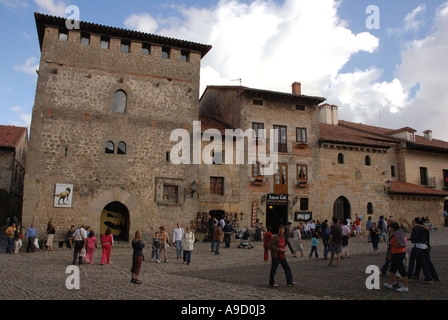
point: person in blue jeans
(156, 241)
(31, 234)
(314, 243)
(278, 257)
(419, 247)
(325, 235)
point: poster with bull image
(63, 195)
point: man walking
(31, 234)
(80, 240)
(178, 234)
(335, 242)
(278, 257)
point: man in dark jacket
(278, 257)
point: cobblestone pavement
(239, 274)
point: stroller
(245, 244)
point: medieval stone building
(13, 149)
(107, 100)
(101, 148)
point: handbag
(83, 252)
(36, 243)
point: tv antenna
(239, 79)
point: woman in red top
(267, 237)
(397, 244)
(107, 241)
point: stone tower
(106, 102)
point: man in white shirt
(346, 233)
(80, 240)
(177, 238)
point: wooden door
(281, 179)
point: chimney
(428, 135)
(328, 114)
(296, 88)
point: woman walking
(165, 242)
(187, 241)
(91, 245)
(137, 257)
(397, 243)
(374, 236)
(107, 241)
(297, 242)
(50, 235)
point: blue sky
(393, 76)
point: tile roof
(10, 135)
(209, 123)
(44, 20)
(398, 187)
(362, 134)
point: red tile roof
(209, 123)
(10, 136)
(399, 187)
(362, 134)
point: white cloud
(141, 22)
(29, 67)
(52, 7)
(413, 21)
(24, 117)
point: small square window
(63, 35)
(185, 56)
(304, 206)
(146, 49)
(166, 52)
(85, 39)
(105, 43)
(170, 193)
(299, 107)
(125, 46)
(257, 102)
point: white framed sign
(63, 194)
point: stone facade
(13, 150)
(73, 121)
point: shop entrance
(342, 210)
(276, 214)
(116, 217)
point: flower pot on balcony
(258, 182)
(301, 145)
(301, 184)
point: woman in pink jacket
(107, 241)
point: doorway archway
(115, 216)
(342, 209)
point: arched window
(121, 148)
(370, 208)
(120, 101)
(340, 158)
(368, 162)
(110, 147)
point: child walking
(91, 244)
(314, 243)
(156, 241)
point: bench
(60, 242)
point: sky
(383, 63)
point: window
(146, 49)
(367, 161)
(445, 178)
(341, 158)
(302, 172)
(370, 208)
(63, 35)
(170, 193)
(257, 170)
(85, 39)
(120, 101)
(281, 138)
(392, 171)
(301, 135)
(304, 206)
(299, 107)
(110, 147)
(125, 46)
(423, 176)
(217, 185)
(104, 43)
(166, 52)
(185, 56)
(121, 148)
(258, 126)
(257, 102)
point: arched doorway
(341, 209)
(116, 217)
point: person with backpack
(397, 243)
